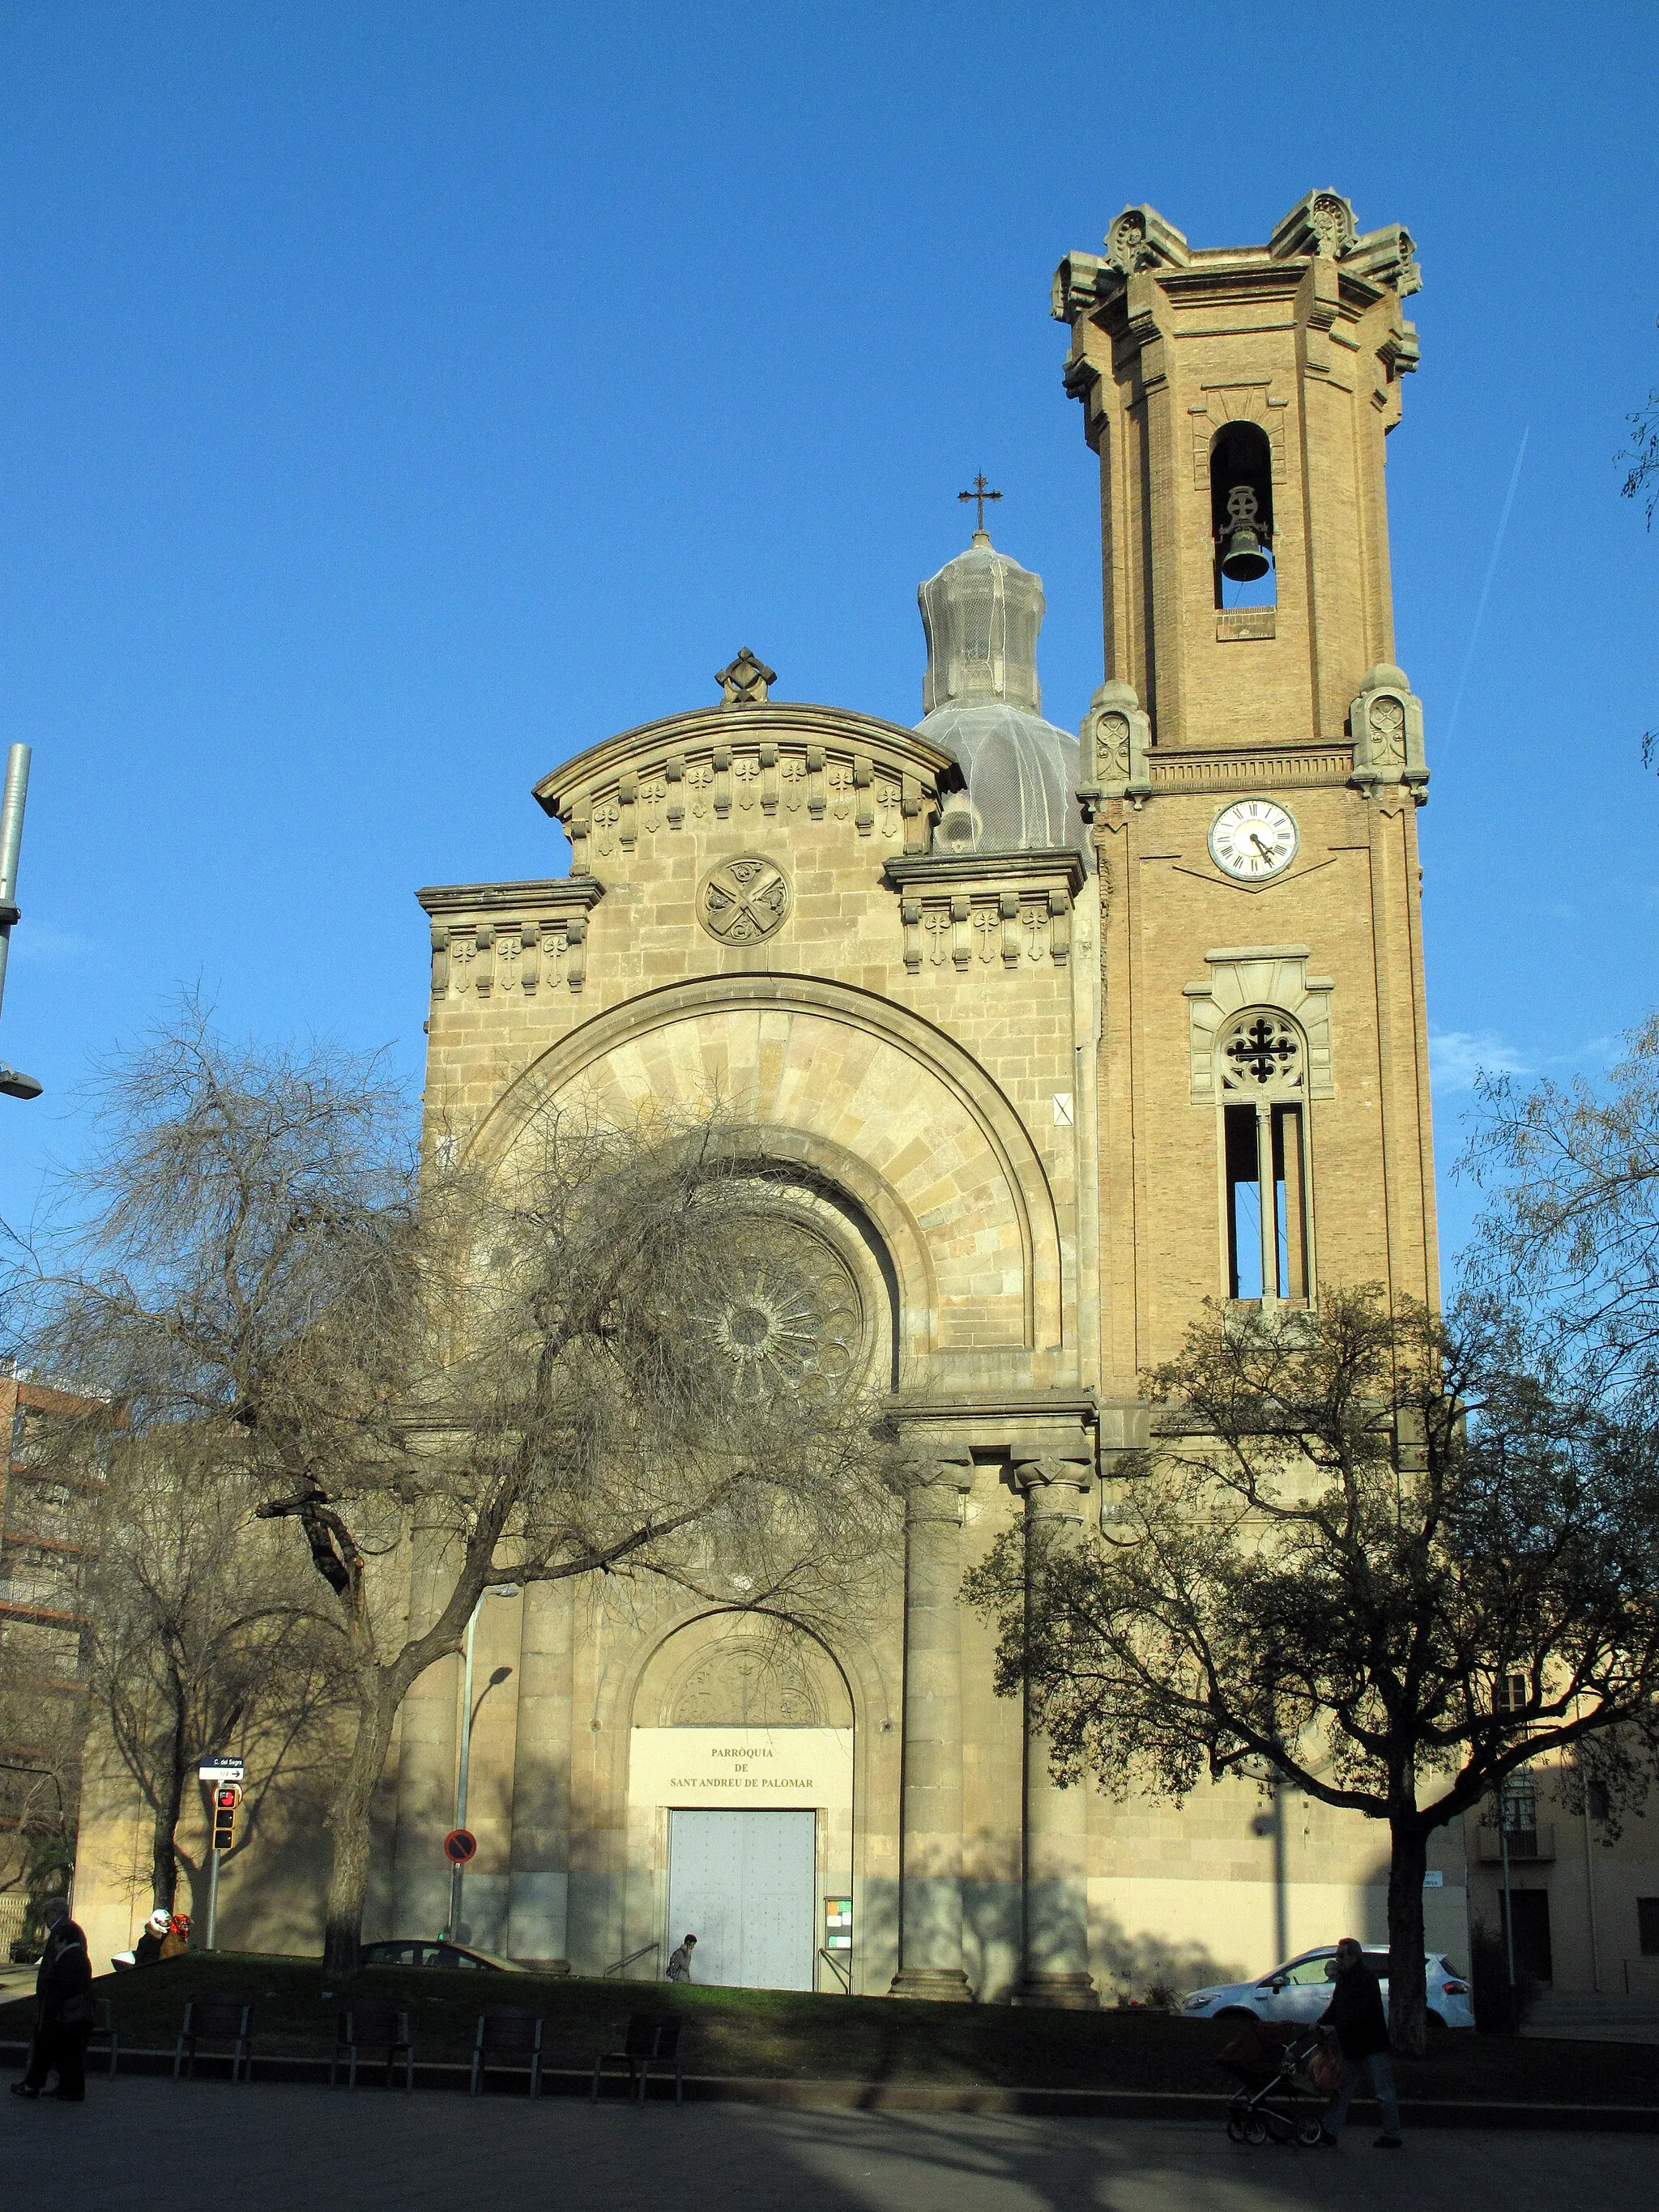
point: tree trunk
(164, 1869)
(1407, 1991)
(347, 1822)
(164, 1860)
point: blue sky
(395, 398)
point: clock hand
(1265, 852)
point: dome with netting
(981, 614)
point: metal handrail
(844, 1973)
(622, 1964)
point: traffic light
(224, 1817)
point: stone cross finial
(745, 683)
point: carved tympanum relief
(747, 1683)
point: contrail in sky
(1486, 588)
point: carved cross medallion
(743, 900)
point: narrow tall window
(1265, 1158)
(1241, 517)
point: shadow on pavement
(136, 2142)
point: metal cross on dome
(979, 494)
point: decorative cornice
(699, 729)
(733, 765)
(942, 870)
(492, 939)
(993, 909)
(576, 893)
(1235, 769)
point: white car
(1301, 1989)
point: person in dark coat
(148, 1949)
(62, 1992)
(1355, 2013)
(679, 1962)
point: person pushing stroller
(1355, 2013)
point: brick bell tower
(1252, 767)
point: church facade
(1048, 1039)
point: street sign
(222, 1769)
(459, 1844)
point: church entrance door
(743, 1883)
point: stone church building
(1050, 1037)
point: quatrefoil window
(1260, 1052)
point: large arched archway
(867, 1098)
(740, 1799)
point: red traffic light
(459, 1844)
(224, 1799)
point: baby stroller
(1270, 2059)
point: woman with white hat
(148, 1949)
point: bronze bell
(1242, 559)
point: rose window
(1259, 1052)
(791, 1312)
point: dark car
(429, 1951)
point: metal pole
(212, 1899)
(1509, 1903)
(1590, 1899)
(456, 1874)
(13, 1082)
(11, 839)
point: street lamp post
(13, 1082)
(469, 1714)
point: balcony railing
(1532, 1846)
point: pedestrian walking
(62, 1992)
(679, 1964)
(1355, 2013)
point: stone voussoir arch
(868, 1096)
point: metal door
(744, 1885)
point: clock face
(1253, 840)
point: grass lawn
(781, 2034)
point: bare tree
(1383, 1559)
(1642, 482)
(1570, 1235)
(205, 1637)
(42, 1726)
(1642, 477)
(551, 1368)
(43, 1639)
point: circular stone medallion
(743, 900)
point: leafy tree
(1379, 1557)
(525, 1370)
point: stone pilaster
(427, 1751)
(538, 1892)
(930, 1845)
(1056, 1885)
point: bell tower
(1252, 767)
(1240, 394)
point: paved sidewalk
(1607, 2019)
(143, 2145)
